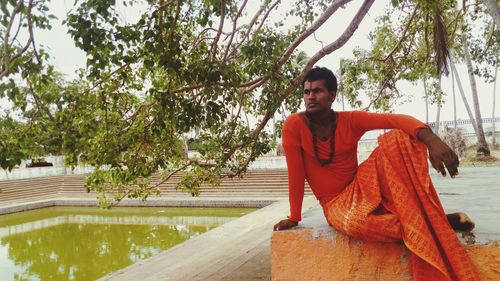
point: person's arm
(365, 121)
(440, 154)
(296, 174)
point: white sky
(67, 58)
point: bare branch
(6, 57)
(221, 84)
(494, 10)
(254, 20)
(405, 31)
(488, 41)
(221, 26)
(381, 89)
(257, 84)
(37, 101)
(266, 15)
(244, 166)
(317, 24)
(15, 11)
(249, 28)
(230, 134)
(363, 10)
(160, 7)
(19, 26)
(32, 36)
(183, 167)
(99, 83)
(235, 22)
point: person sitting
(387, 198)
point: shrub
(455, 139)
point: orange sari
(391, 199)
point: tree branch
(37, 101)
(32, 36)
(221, 84)
(363, 10)
(488, 41)
(407, 27)
(249, 28)
(221, 26)
(317, 24)
(19, 26)
(381, 88)
(7, 58)
(235, 22)
(266, 15)
(494, 10)
(183, 167)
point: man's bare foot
(460, 221)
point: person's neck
(322, 118)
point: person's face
(317, 98)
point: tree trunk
(275, 151)
(341, 93)
(462, 94)
(438, 114)
(426, 102)
(343, 102)
(482, 144)
(494, 10)
(493, 130)
(454, 101)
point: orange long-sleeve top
(328, 181)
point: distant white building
(466, 126)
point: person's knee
(394, 134)
(398, 133)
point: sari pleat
(392, 198)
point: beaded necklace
(323, 162)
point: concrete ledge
(20, 207)
(219, 202)
(315, 251)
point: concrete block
(315, 251)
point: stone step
(273, 183)
(28, 192)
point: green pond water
(73, 243)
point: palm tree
(464, 99)
(454, 101)
(438, 103)
(482, 144)
(493, 131)
(494, 10)
(426, 101)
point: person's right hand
(285, 224)
(440, 154)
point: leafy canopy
(212, 72)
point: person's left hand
(440, 154)
(284, 224)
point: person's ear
(333, 95)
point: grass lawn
(471, 159)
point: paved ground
(475, 191)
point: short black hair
(322, 73)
